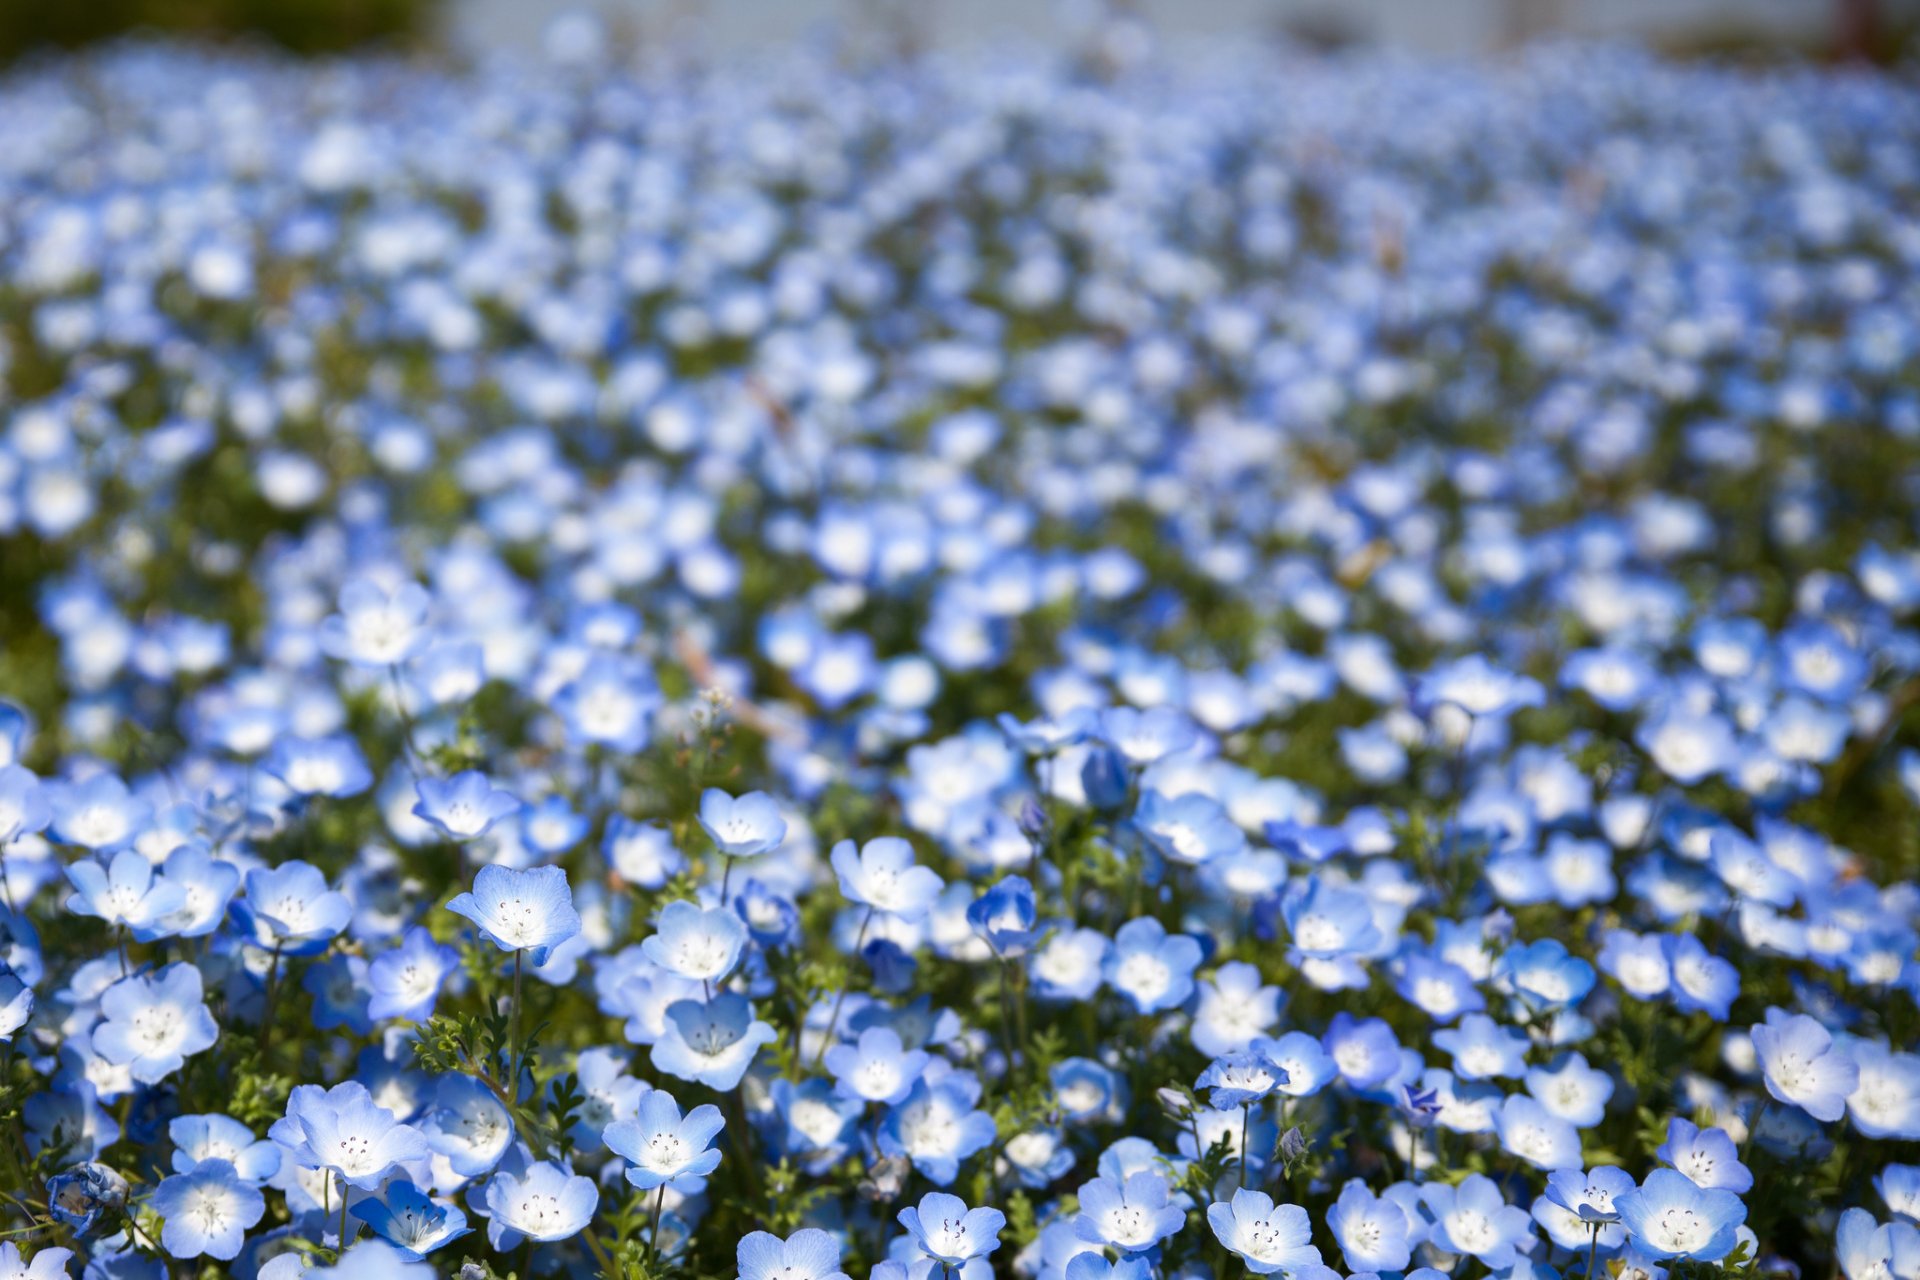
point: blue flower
(807, 1254)
(154, 1022)
(1669, 1216)
(543, 1203)
(343, 1130)
(949, 1232)
(1240, 1078)
(463, 806)
(98, 814)
(745, 827)
(699, 944)
(1131, 1216)
(529, 911)
(377, 627)
(1534, 1134)
(78, 1197)
(467, 1125)
(1325, 922)
(290, 908)
(663, 1148)
(1149, 967)
(405, 982)
(207, 1210)
(1473, 1218)
(1373, 1233)
(1483, 1049)
(1545, 975)
(1803, 1066)
(319, 766)
(218, 1137)
(712, 1041)
(1702, 981)
(125, 894)
(1191, 829)
(1267, 1236)
(937, 1127)
(1005, 916)
(878, 1069)
(882, 876)
(1706, 1156)
(409, 1220)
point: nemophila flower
(1802, 1065)
(663, 1148)
(1534, 1134)
(206, 1210)
(1068, 966)
(699, 944)
(1591, 1196)
(950, 1233)
(463, 806)
(1478, 688)
(1232, 1009)
(1303, 1061)
(883, 877)
(1572, 1090)
(1146, 737)
(876, 1069)
(543, 1203)
(529, 911)
(807, 1254)
(98, 814)
(152, 1023)
(1239, 1078)
(331, 766)
(712, 1042)
(410, 1220)
(206, 885)
(1885, 1101)
(551, 827)
(216, 1137)
(125, 893)
(1005, 917)
(1686, 746)
(1473, 1218)
(1899, 1186)
(1151, 968)
(1365, 1050)
(937, 1127)
(405, 982)
(1130, 1216)
(1483, 1049)
(1639, 964)
(1325, 922)
(742, 827)
(1707, 1156)
(1544, 974)
(1868, 1250)
(1268, 1237)
(290, 907)
(815, 1124)
(377, 627)
(1036, 1158)
(80, 1197)
(1670, 1216)
(1701, 981)
(467, 1125)
(1191, 829)
(337, 984)
(610, 703)
(640, 853)
(23, 804)
(345, 1132)
(1439, 988)
(1373, 1233)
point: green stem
(1246, 1151)
(833, 1017)
(1593, 1249)
(343, 1213)
(653, 1232)
(514, 1051)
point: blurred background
(1882, 30)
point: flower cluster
(1297, 665)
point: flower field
(1103, 670)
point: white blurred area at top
(589, 32)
